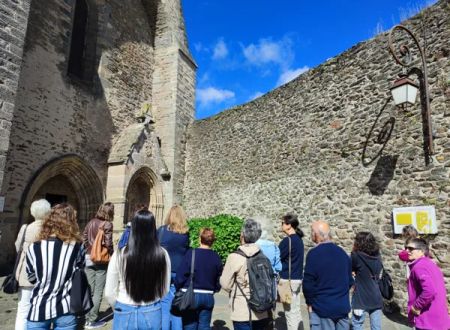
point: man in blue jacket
(326, 281)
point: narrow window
(77, 44)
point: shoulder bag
(185, 300)
(99, 252)
(10, 284)
(80, 293)
(284, 287)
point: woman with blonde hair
(28, 234)
(174, 237)
(96, 272)
(51, 262)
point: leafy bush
(227, 229)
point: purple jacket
(426, 291)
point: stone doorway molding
(72, 170)
(123, 183)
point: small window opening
(77, 45)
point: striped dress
(50, 265)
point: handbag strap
(290, 250)
(192, 266)
(19, 253)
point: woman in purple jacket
(427, 302)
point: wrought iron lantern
(404, 92)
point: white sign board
(2, 203)
(423, 218)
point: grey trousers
(96, 275)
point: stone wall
(13, 26)
(311, 147)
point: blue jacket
(176, 245)
(272, 252)
(297, 254)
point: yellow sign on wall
(423, 218)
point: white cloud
(289, 75)
(255, 96)
(220, 50)
(268, 51)
(198, 46)
(213, 95)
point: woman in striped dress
(50, 264)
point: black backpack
(262, 283)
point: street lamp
(404, 90)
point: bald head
(320, 231)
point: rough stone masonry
(311, 147)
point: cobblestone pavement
(221, 320)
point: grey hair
(251, 231)
(40, 209)
(420, 244)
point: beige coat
(236, 270)
(32, 234)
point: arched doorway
(65, 179)
(144, 189)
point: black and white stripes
(50, 265)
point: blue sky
(246, 48)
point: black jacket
(367, 295)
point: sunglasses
(411, 248)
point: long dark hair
(144, 260)
(365, 242)
(292, 219)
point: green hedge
(227, 229)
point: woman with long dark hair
(291, 255)
(51, 262)
(366, 264)
(138, 277)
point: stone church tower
(95, 100)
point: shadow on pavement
(220, 325)
(392, 312)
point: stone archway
(126, 187)
(144, 188)
(64, 179)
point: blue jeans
(169, 321)
(132, 317)
(200, 318)
(256, 325)
(64, 322)
(375, 320)
(320, 323)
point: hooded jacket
(367, 295)
(235, 270)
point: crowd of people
(143, 273)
